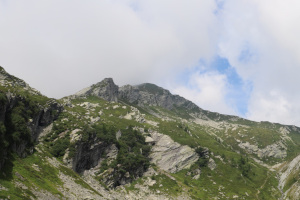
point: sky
(237, 57)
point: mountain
(137, 142)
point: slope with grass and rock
(138, 142)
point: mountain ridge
(141, 95)
(145, 93)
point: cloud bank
(261, 41)
(61, 46)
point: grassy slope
(211, 182)
(225, 181)
(34, 173)
(21, 172)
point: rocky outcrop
(45, 117)
(152, 95)
(211, 164)
(288, 172)
(129, 93)
(105, 89)
(88, 154)
(166, 154)
(276, 150)
(89, 157)
(169, 155)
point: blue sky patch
(239, 90)
(220, 6)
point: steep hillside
(23, 114)
(138, 142)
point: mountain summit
(146, 94)
(105, 89)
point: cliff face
(88, 154)
(46, 115)
(23, 121)
(22, 116)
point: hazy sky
(238, 57)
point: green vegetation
(59, 147)
(69, 172)
(35, 173)
(166, 185)
(32, 173)
(14, 130)
(238, 174)
(97, 122)
(203, 160)
(133, 153)
(227, 181)
(244, 166)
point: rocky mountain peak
(105, 89)
(146, 94)
(105, 83)
(108, 81)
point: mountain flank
(137, 142)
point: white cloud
(61, 46)
(208, 90)
(267, 32)
(273, 106)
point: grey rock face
(171, 156)
(105, 89)
(287, 171)
(88, 155)
(276, 150)
(150, 94)
(129, 93)
(45, 117)
(141, 95)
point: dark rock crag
(22, 117)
